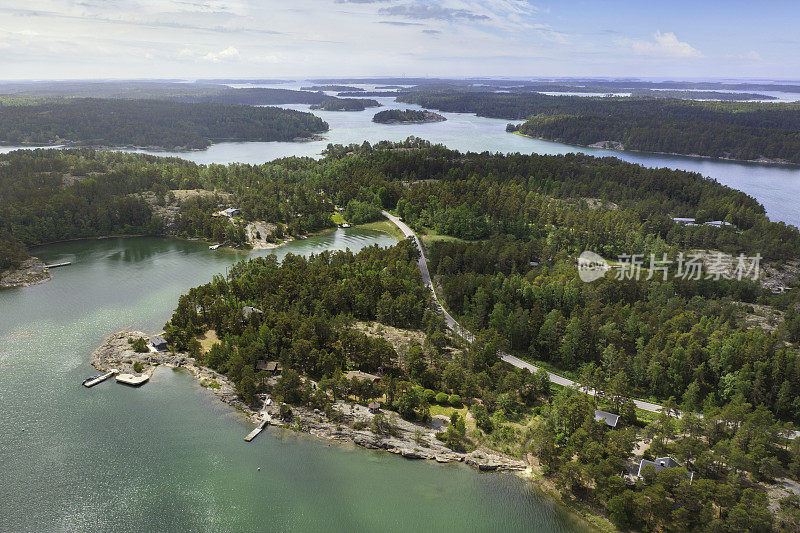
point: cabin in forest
(661, 463)
(232, 212)
(248, 310)
(374, 408)
(269, 366)
(362, 376)
(610, 419)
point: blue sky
(303, 38)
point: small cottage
(610, 419)
(362, 376)
(661, 463)
(158, 343)
(374, 408)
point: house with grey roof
(610, 419)
(661, 463)
(158, 343)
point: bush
(441, 398)
(138, 367)
(455, 400)
(139, 345)
(429, 396)
(286, 412)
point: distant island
(345, 104)
(155, 124)
(331, 88)
(409, 116)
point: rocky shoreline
(408, 439)
(32, 271)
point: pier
(266, 419)
(259, 428)
(91, 382)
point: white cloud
(229, 53)
(662, 45)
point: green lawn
(446, 410)
(337, 218)
(386, 227)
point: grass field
(386, 227)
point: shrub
(455, 400)
(137, 367)
(429, 396)
(139, 345)
(441, 398)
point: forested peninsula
(150, 123)
(502, 233)
(731, 130)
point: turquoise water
(170, 456)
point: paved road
(508, 358)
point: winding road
(422, 262)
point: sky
(676, 39)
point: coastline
(31, 272)
(763, 161)
(412, 440)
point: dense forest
(502, 233)
(746, 131)
(392, 116)
(152, 123)
(517, 287)
(205, 91)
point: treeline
(169, 125)
(746, 131)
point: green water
(169, 456)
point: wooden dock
(56, 265)
(259, 428)
(91, 382)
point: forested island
(409, 116)
(731, 130)
(698, 95)
(502, 233)
(349, 88)
(151, 123)
(345, 104)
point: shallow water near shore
(170, 456)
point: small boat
(87, 381)
(214, 247)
